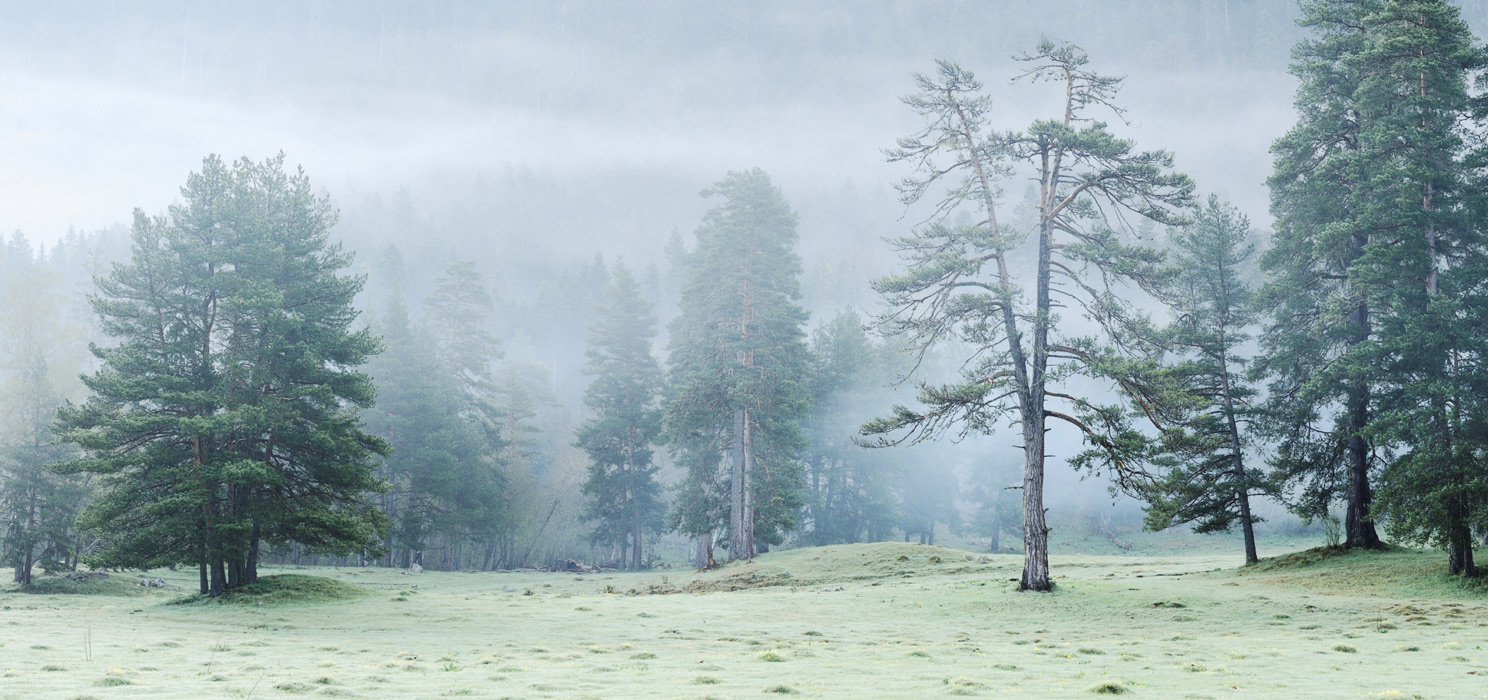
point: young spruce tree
(1207, 481)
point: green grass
(284, 589)
(896, 629)
(109, 585)
(1405, 572)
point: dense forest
(1032, 308)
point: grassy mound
(282, 589)
(93, 584)
(821, 566)
(1302, 559)
(1394, 571)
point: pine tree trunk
(1035, 530)
(636, 554)
(996, 543)
(219, 576)
(1459, 539)
(1358, 524)
(736, 490)
(23, 573)
(1460, 553)
(751, 511)
(1247, 523)
(250, 569)
(1242, 485)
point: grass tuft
(1109, 688)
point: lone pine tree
(624, 498)
(738, 363)
(974, 282)
(225, 417)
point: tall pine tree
(977, 282)
(738, 362)
(225, 418)
(1208, 482)
(1427, 186)
(624, 498)
(38, 508)
(1376, 297)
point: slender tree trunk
(1358, 523)
(751, 510)
(250, 569)
(996, 543)
(736, 489)
(201, 562)
(1242, 485)
(636, 555)
(219, 576)
(1035, 529)
(23, 573)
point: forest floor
(856, 621)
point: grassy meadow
(856, 621)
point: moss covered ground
(855, 621)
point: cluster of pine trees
(1365, 385)
(236, 407)
(235, 411)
